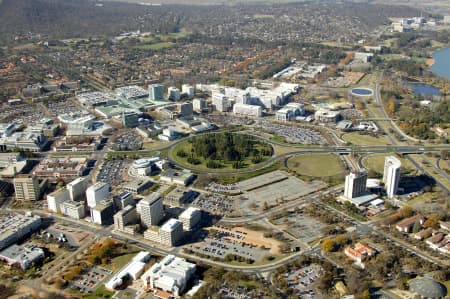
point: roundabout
(222, 152)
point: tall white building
(220, 102)
(56, 199)
(198, 104)
(151, 209)
(190, 217)
(391, 175)
(170, 275)
(77, 188)
(171, 232)
(355, 185)
(188, 90)
(97, 192)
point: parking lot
(302, 227)
(293, 134)
(222, 242)
(111, 172)
(229, 188)
(216, 204)
(273, 188)
(56, 108)
(22, 114)
(128, 141)
(91, 278)
(302, 280)
(230, 120)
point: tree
(328, 245)
(431, 222)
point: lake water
(441, 66)
(424, 89)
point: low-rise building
(74, 209)
(133, 270)
(180, 196)
(22, 256)
(138, 186)
(14, 227)
(327, 116)
(171, 275)
(359, 252)
(245, 109)
(183, 177)
(61, 167)
(406, 225)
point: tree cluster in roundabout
(219, 150)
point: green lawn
(316, 165)
(119, 262)
(359, 139)
(100, 292)
(376, 162)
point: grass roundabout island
(316, 165)
(223, 151)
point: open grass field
(119, 262)
(376, 162)
(100, 292)
(360, 139)
(322, 165)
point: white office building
(171, 232)
(56, 199)
(151, 209)
(198, 104)
(391, 175)
(250, 110)
(97, 192)
(290, 111)
(190, 218)
(188, 90)
(220, 102)
(355, 185)
(77, 188)
(171, 275)
(74, 209)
